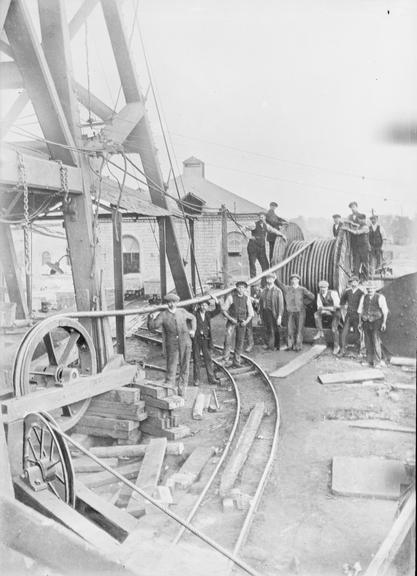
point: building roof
(133, 201)
(193, 181)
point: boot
(336, 349)
(319, 335)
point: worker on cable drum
(257, 244)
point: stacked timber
(161, 405)
(116, 414)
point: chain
(63, 172)
(26, 226)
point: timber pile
(161, 404)
(116, 414)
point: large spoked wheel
(46, 459)
(54, 353)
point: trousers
(375, 257)
(237, 333)
(201, 345)
(351, 320)
(296, 322)
(372, 333)
(271, 329)
(256, 252)
(318, 318)
(178, 351)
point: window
(131, 255)
(234, 244)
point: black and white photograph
(208, 287)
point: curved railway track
(248, 385)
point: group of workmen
(366, 240)
(186, 334)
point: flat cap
(323, 284)
(274, 204)
(371, 285)
(336, 216)
(354, 278)
(171, 298)
(295, 275)
(242, 283)
(354, 203)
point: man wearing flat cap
(296, 299)
(203, 341)
(238, 311)
(349, 303)
(337, 224)
(178, 327)
(276, 222)
(256, 247)
(328, 304)
(359, 240)
(373, 312)
(271, 308)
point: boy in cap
(238, 311)
(276, 222)
(203, 342)
(373, 312)
(271, 308)
(295, 298)
(350, 301)
(328, 304)
(177, 333)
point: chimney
(193, 168)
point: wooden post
(9, 264)
(225, 257)
(118, 279)
(192, 251)
(162, 256)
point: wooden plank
(403, 361)
(383, 559)
(353, 376)
(299, 361)
(199, 406)
(105, 423)
(401, 386)
(9, 265)
(84, 464)
(154, 391)
(95, 480)
(118, 410)
(124, 394)
(382, 425)
(192, 467)
(124, 435)
(6, 486)
(371, 477)
(241, 450)
(170, 403)
(138, 451)
(113, 516)
(46, 502)
(80, 389)
(174, 433)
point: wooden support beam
(124, 122)
(80, 389)
(118, 279)
(38, 81)
(162, 257)
(138, 451)
(10, 268)
(81, 16)
(192, 256)
(4, 8)
(91, 102)
(10, 77)
(140, 139)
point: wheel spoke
(51, 450)
(72, 341)
(32, 448)
(50, 349)
(60, 479)
(53, 464)
(54, 490)
(67, 411)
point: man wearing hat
(377, 236)
(373, 312)
(257, 244)
(349, 303)
(238, 311)
(296, 298)
(203, 343)
(178, 327)
(359, 240)
(337, 224)
(328, 304)
(276, 222)
(271, 308)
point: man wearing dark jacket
(203, 342)
(276, 222)
(296, 297)
(271, 308)
(350, 301)
(237, 309)
(373, 312)
(257, 244)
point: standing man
(203, 342)
(238, 311)
(328, 304)
(295, 297)
(276, 222)
(257, 244)
(271, 307)
(350, 301)
(377, 237)
(373, 312)
(177, 336)
(337, 224)
(359, 241)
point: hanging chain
(63, 173)
(26, 226)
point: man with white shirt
(203, 341)
(257, 244)
(377, 236)
(238, 311)
(328, 304)
(373, 312)
(349, 302)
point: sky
(284, 100)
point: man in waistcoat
(373, 312)
(328, 304)
(257, 244)
(276, 222)
(349, 303)
(296, 298)
(178, 327)
(203, 342)
(359, 240)
(271, 308)
(377, 237)
(238, 311)
(337, 224)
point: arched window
(234, 243)
(46, 257)
(131, 255)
